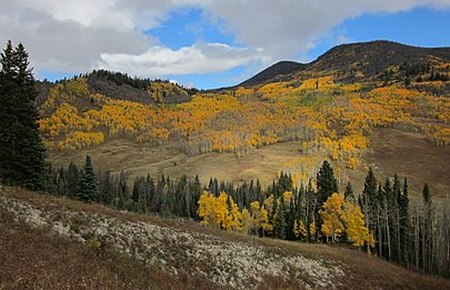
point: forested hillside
(327, 114)
(291, 155)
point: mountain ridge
(371, 58)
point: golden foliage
(355, 226)
(331, 214)
(220, 211)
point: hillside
(278, 71)
(335, 108)
(367, 61)
(57, 237)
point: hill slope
(277, 71)
(367, 60)
(179, 254)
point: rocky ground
(192, 256)
(235, 264)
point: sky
(207, 43)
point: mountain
(277, 71)
(368, 61)
(121, 86)
(69, 244)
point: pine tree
(326, 186)
(349, 192)
(88, 189)
(426, 194)
(403, 204)
(22, 153)
(280, 225)
(326, 183)
(73, 180)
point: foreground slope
(68, 244)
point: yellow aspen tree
(331, 214)
(255, 211)
(221, 211)
(355, 226)
(247, 222)
(299, 230)
(206, 208)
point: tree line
(380, 219)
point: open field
(391, 151)
(410, 155)
(119, 154)
(66, 238)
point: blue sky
(419, 27)
(207, 43)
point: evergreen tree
(280, 225)
(371, 202)
(349, 192)
(88, 189)
(403, 204)
(22, 153)
(426, 194)
(73, 180)
(326, 183)
(326, 186)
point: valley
(327, 174)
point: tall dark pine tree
(280, 225)
(371, 202)
(22, 153)
(326, 183)
(403, 204)
(326, 186)
(88, 189)
(349, 195)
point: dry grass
(54, 260)
(38, 258)
(410, 155)
(392, 151)
(120, 154)
(35, 258)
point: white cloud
(196, 59)
(286, 28)
(75, 36)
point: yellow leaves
(440, 136)
(352, 163)
(64, 119)
(340, 215)
(299, 229)
(287, 196)
(248, 223)
(331, 215)
(206, 209)
(220, 211)
(220, 122)
(241, 91)
(321, 83)
(260, 216)
(79, 139)
(159, 90)
(355, 227)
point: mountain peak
(367, 59)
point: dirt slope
(180, 254)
